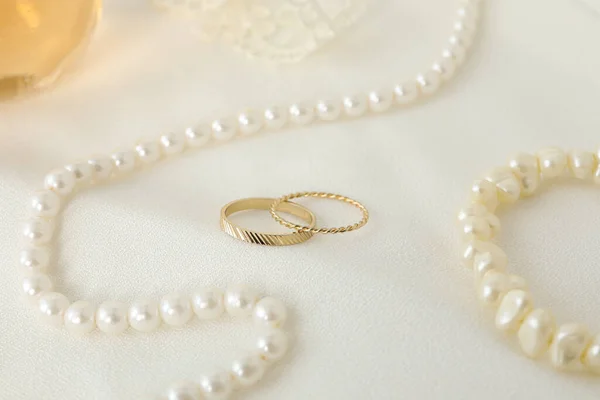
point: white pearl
(240, 300)
(301, 114)
(468, 10)
(34, 285)
(102, 166)
(591, 358)
(328, 110)
(83, 172)
(509, 187)
(570, 341)
(464, 39)
(381, 100)
(45, 204)
(208, 303)
(275, 117)
(465, 26)
(52, 307)
(111, 317)
(355, 106)
(473, 210)
(514, 307)
(484, 262)
(270, 312)
(224, 129)
(217, 386)
(144, 315)
(35, 258)
(406, 93)
(582, 164)
(495, 284)
(273, 345)
(61, 180)
(535, 334)
(184, 390)
(148, 152)
(248, 371)
(476, 228)
(526, 168)
(172, 143)
(124, 160)
(175, 309)
(445, 67)
(480, 212)
(429, 82)
(474, 247)
(80, 317)
(456, 53)
(486, 193)
(553, 162)
(198, 135)
(250, 122)
(38, 231)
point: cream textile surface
(382, 313)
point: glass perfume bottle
(40, 38)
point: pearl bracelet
(569, 346)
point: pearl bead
(175, 309)
(183, 391)
(582, 164)
(429, 82)
(34, 285)
(144, 315)
(83, 172)
(495, 284)
(570, 341)
(80, 317)
(446, 67)
(509, 187)
(479, 211)
(111, 317)
(301, 114)
(52, 307)
(217, 386)
(474, 247)
(526, 168)
(463, 39)
(270, 312)
(35, 258)
(468, 10)
(476, 228)
(552, 161)
(328, 110)
(275, 117)
(465, 26)
(484, 262)
(272, 346)
(124, 160)
(406, 93)
(102, 166)
(61, 180)
(248, 371)
(38, 231)
(473, 210)
(45, 204)
(224, 129)
(514, 307)
(208, 303)
(198, 136)
(148, 152)
(486, 193)
(250, 122)
(172, 143)
(240, 300)
(591, 358)
(381, 100)
(355, 106)
(456, 53)
(535, 334)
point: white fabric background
(383, 313)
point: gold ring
(311, 229)
(268, 239)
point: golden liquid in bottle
(38, 39)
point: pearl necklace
(569, 346)
(269, 314)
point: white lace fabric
(282, 31)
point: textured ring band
(310, 229)
(268, 239)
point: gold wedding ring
(269, 239)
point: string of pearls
(113, 317)
(569, 346)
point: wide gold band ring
(268, 239)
